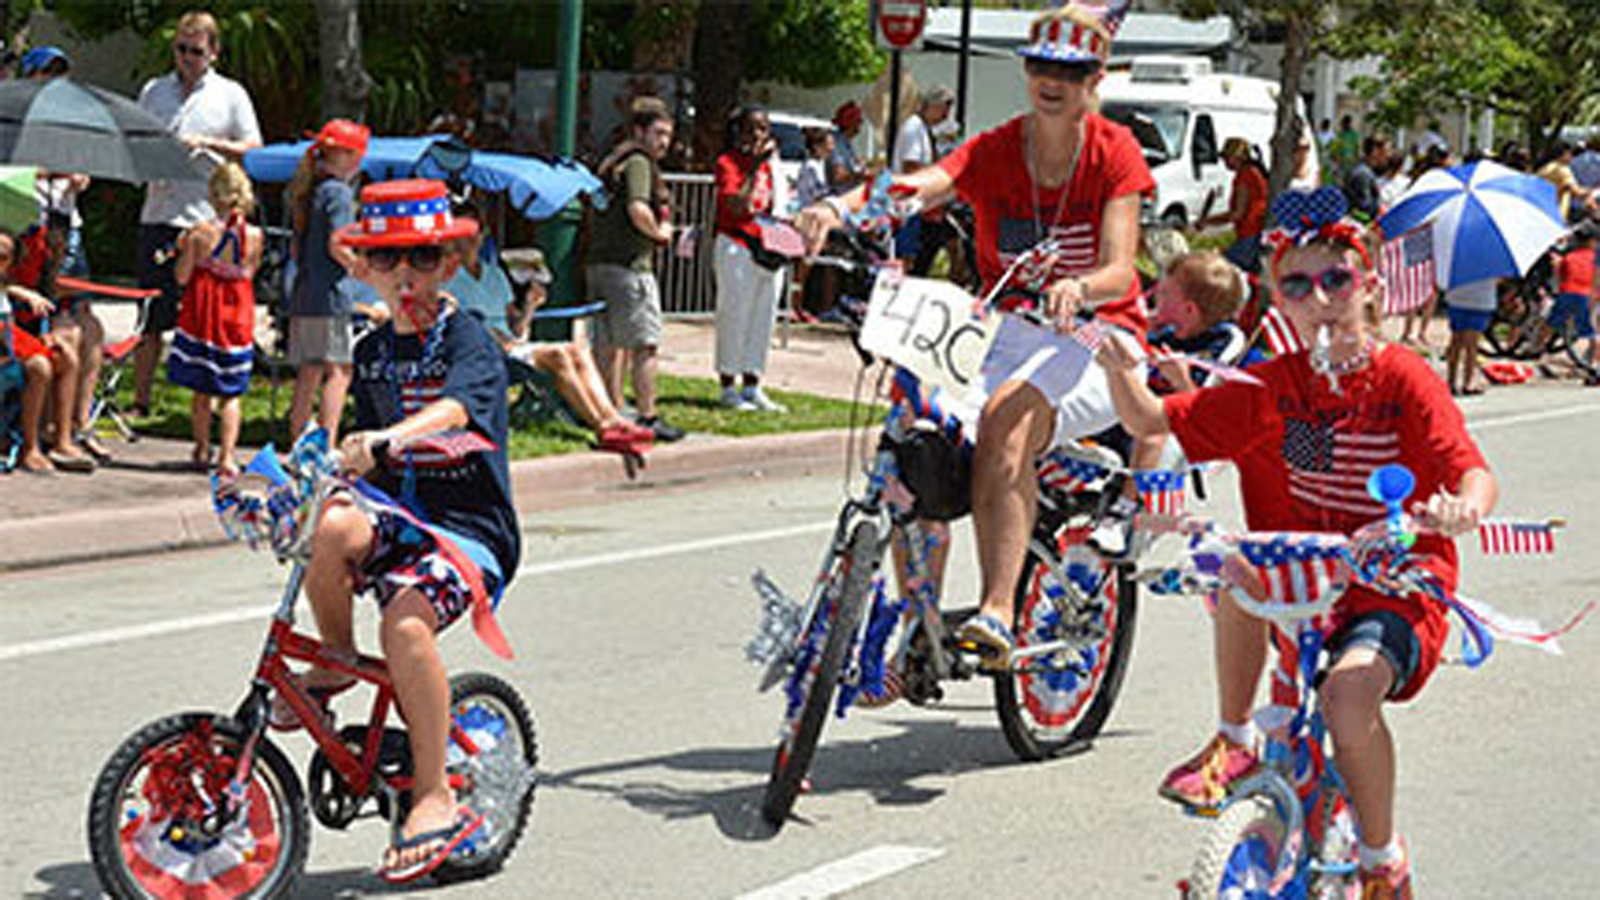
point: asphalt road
(629, 622)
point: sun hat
(405, 214)
(1075, 33)
(38, 58)
(343, 134)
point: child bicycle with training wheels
(1305, 441)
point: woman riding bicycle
(1305, 440)
(1060, 171)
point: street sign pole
(893, 128)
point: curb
(537, 484)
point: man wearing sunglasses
(213, 116)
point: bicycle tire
(489, 709)
(841, 616)
(1239, 855)
(134, 853)
(1047, 712)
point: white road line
(164, 627)
(846, 874)
(1523, 418)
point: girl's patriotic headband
(1306, 217)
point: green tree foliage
(1537, 61)
(814, 43)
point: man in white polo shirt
(215, 119)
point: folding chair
(117, 355)
(11, 383)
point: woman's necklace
(1040, 231)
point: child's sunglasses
(425, 258)
(1335, 281)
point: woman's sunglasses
(1335, 281)
(1071, 72)
(420, 259)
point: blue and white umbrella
(1488, 221)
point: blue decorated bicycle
(1289, 831)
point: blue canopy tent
(533, 187)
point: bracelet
(840, 207)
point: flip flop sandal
(990, 638)
(282, 717)
(94, 448)
(448, 838)
(82, 465)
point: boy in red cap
(429, 368)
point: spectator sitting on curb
(480, 287)
(36, 262)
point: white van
(788, 130)
(1181, 112)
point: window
(1205, 141)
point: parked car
(788, 129)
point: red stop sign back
(900, 23)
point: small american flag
(1329, 468)
(1068, 474)
(1406, 267)
(1282, 339)
(1297, 569)
(1506, 537)
(451, 445)
(1161, 491)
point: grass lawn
(689, 403)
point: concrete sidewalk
(146, 502)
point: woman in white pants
(747, 292)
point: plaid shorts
(406, 556)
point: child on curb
(326, 294)
(1194, 305)
(429, 368)
(214, 348)
(1282, 435)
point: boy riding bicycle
(1305, 441)
(451, 542)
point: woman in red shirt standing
(747, 290)
(1247, 205)
(1058, 171)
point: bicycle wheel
(154, 829)
(1577, 350)
(1241, 852)
(1048, 704)
(499, 775)
(828, 637)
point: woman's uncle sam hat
(1075, 33)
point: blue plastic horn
(1391, 485)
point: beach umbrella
(1488, 221)
(18, 206)
(62, 126)
(536, 188)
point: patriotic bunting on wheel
(1068, 474)
(1406, 268)
(1506, 537)
(1161, 491)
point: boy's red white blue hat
(405, 214)
(1075, 32)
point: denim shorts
(1389, 634)
(1468, 319)
(1576, 308)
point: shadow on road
(76, 881)
(886, 768)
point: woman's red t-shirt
(1576, 272)
(733, 169)
(991, 173)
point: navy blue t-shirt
(393, 380)
(322, 286)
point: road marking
(133, 632)
(1541, 416)
(699, 546)
(164, 627)
(846, 874)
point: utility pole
(558, 237)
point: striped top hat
(404, 214)
(1075, 32)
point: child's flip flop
(448, 839)
(990, 638)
